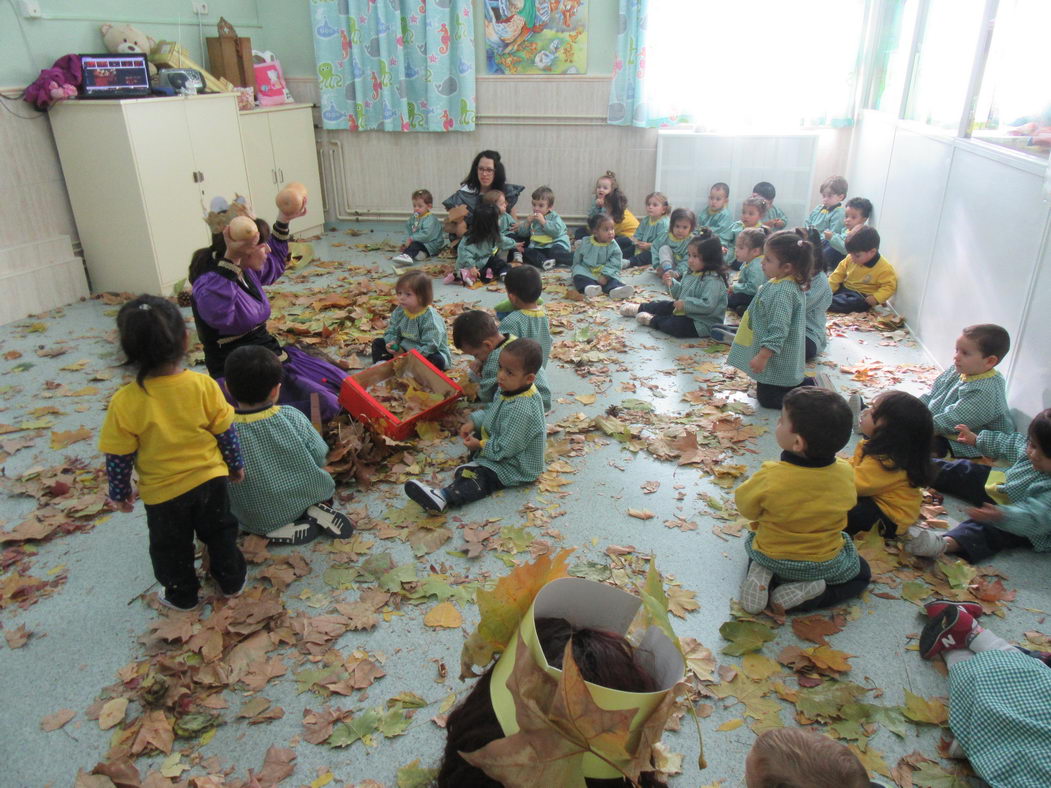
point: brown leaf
(277, 766)
(815, 628)
(155, 732)
(60, 440)
(641, 514)
(16, 638)
(112, 713)
(52, 722)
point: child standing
(891, 464)
(426, 237)
(1011, 508)
(651, 231)
(827, 216)
(863, 278)
(415, 324)
(799, 507)
(624, 222)
(856, 213)
(603, 186)
(971, 392)
(527, 318)
(818, 298)
(716, 216)
(770, 343)
(752, 212)
(700, 296)
(597, 262)
(175, 428)
(475, 332)
(775, 218)
(748, 248)
(507, 439)
(548, 242)
(286, 494)
(672, 251)
(477, 256)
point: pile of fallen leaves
(404, 395)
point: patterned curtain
(395, 65)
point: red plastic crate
(355, 398)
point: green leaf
(341, 577)
(915, 591)
(357, 727)
(394, 723)
(191, 726)
(582, 334)
(745, 636)
(827, 701)
(634, 403)
(407, 700)
(377, 565)
(591, 570)
(887, 717)
(931, 775)
(392, 580)
(306, 679)
(655, 600)
(613, 427)
(958, 573)
(412, 775)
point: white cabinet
(279, 148)
(141, 174)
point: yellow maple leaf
(443, 615)
(60, 440)
(827, 658)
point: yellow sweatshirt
(799, 510)
(891, 490)
(877, 279)
(628, 225)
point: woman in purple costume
(230, 309)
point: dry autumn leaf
(60, 440)
(641, 514)
(112, 713)
(444, 615)
(52, 722)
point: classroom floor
(80, 629)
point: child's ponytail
(615, 203)
(792, 250)
(485, 225)
(811, 235)
(709, 248)
(152, 334)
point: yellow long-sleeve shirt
(891, 490)
(799, 510)
(877, 280)
(628, 225)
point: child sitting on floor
(604, 184)
(827, 216)
(597, 262)
(478, 254)
(548, 239)
(753, 210)
(615, 204)
(426, 237)
(856, 213)
(286, 492)
(971, 392)
(1010, 508)
(526, 318)
(651, 231)
(799, 509)
(891, 465)
(818, 297)
(748, 248)
(414, 324)
(863, 278)
(797, 758)
(475, 332)
(700, 296)
(775, 218)
(509, 224)
(716, 216)
(672, 252)
(507, 439)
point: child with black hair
(651, 231)
(526, 318)
(799, 508)
(548, 239)
(287, 494)
(672, 250)
(415, 324)
(615, 204)
(716, 216)
(604, 184)
(753, 211)
(478, 254)
(856, 213)
(509, 224)
(827, 216)
(700, 296)
(1010, 508)
(818, 298)
(476, 333)
(426, 236)
(864, 278)
(748, 248)
(597, 262)
(508, 439)
(175, 428)
(892, 464)
(775, 218)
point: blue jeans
(845, 301)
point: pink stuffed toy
(56, 83)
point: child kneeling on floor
(286, 492)
(799, 507)
(507, 439)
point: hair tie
(799, 242)
(145, 307)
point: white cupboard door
(295, 154)
(259, 156)
(215, 134)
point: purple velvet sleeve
(275, 261)
(227, 308)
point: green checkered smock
(818, 297)
(423, 331)
(672, 254)
(530, 324)
(284, 469)
(979, 401)
(751, 277)
(1029, 491)
(731, 245)
(719, 223)
(1000, 713)
(514, 437)
(703, 295)
(487, 388)
(476, 255)
(592, 259)
(773, 214)
(845, 566)
(427, 230)
(651, 232)
(775, 319)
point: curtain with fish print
(395, 65)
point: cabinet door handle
(273, 174)
(200, 175)
(195, 177)
(281, 174)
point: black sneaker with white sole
(331, 522)
(300, 532)
(429, 498)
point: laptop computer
(114, 76)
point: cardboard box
(354, 395)
(231, 59)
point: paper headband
(222, 211)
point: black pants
(664, 320)
(866, 516)
(380, 353)
(471, 483)
(831, 256)
(771, 396)
(840, 592)
(739, 302)
(415, 248)
(844, 301)
(581, 232)
(580, 282)
(496, 265)
(203, 512)
(641, 259)
(809, 349)
(626, 244)
(536, 256)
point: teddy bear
(123, 39)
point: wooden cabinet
(279, 148)
(141, 174)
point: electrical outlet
(31, 9)
(200, 9)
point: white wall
(966, 225)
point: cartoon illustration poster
(536, 36)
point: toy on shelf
(55, 84)
(127, 39)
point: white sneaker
(299, 532)
(429, 498)
(402, 258)
(824, 381)
(591, 291)
(924, 543)
(331, 522)
(629, 310)
(622, 292)
(517, 257)
(755, 590)
(789, 595)
(548, 264)
(856, 405)
(421, 256)
(643, 318)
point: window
(898, 28)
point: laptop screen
(114, 76)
